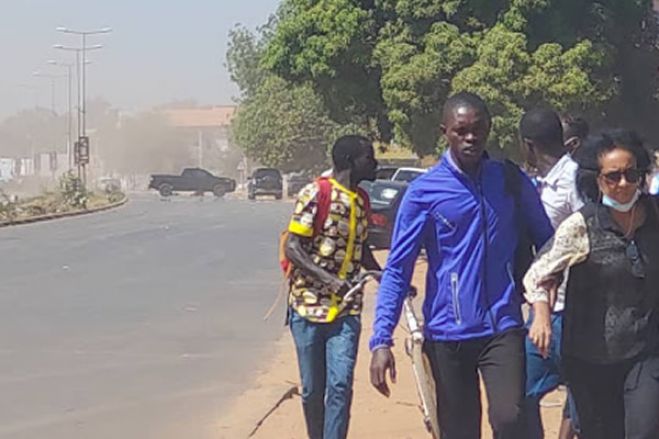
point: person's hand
(382, 361)
(338, 285)
(540, 331)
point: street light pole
(83, 49)
(82, 84)
(69, 117)
(52, 79)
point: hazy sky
(159, 50)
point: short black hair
(466, 99)
(543, 127)
(594, 147)
(346, 149)
(574, 126)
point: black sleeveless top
(612, 300)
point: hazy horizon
(157, 53)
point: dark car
(265, 181)
(192, 180)
(296, 181)
(385, 197)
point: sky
(159, 51)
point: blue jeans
(542, 375)
(326, 353)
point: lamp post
(52, 79)
(69, 113)
(83, 50)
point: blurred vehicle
(109, 185)
(192, 180)
(296, 181)
(265, 181)
(385, 172)
(385, 197)
(407, 174)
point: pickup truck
(192, 180)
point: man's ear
(442, 127)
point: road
(142, 322)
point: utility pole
(82, 144)
(69, 114)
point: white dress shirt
(558, 192)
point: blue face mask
(620, 207)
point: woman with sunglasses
(611, 322)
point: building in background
(208, 132)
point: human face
(466, 130)
(619, 177)
(365, 165)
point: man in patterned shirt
(325, 258)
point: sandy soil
(373, 416)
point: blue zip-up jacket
(468, 228)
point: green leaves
(285, 126)
(394, 62)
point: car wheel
(219, 191)
(166, 189)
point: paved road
(137, 323)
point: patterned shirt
(337, 248)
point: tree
(31, 132)
(279, 123)
(285, 126)
(399, 59)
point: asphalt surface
(142, 322)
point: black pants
(617, 401)
(455, 366)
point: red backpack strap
(367, 202)
(324, 202)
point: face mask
(620, 207)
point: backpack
(525, 252)
(324, 203)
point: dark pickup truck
(192, 180)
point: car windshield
(271, 173)
(382, 194)
(407, 175)
(385, 173)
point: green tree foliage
(395, 61)
(279, 123)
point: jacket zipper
(456, 297)
(484, 262)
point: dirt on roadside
(373, 416)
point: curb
(54, 216)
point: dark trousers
(501, 362)
(616, 401)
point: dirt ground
(373, 416)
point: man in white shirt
(542, 141)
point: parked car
(385, 172)
(295, 181)
(109, 185)
(407, 174)
(385, 197)
(265, 181)
(192, 180)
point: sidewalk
(373, 416)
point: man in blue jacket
(464, 217)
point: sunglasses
(634, 256)
(632, 175)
